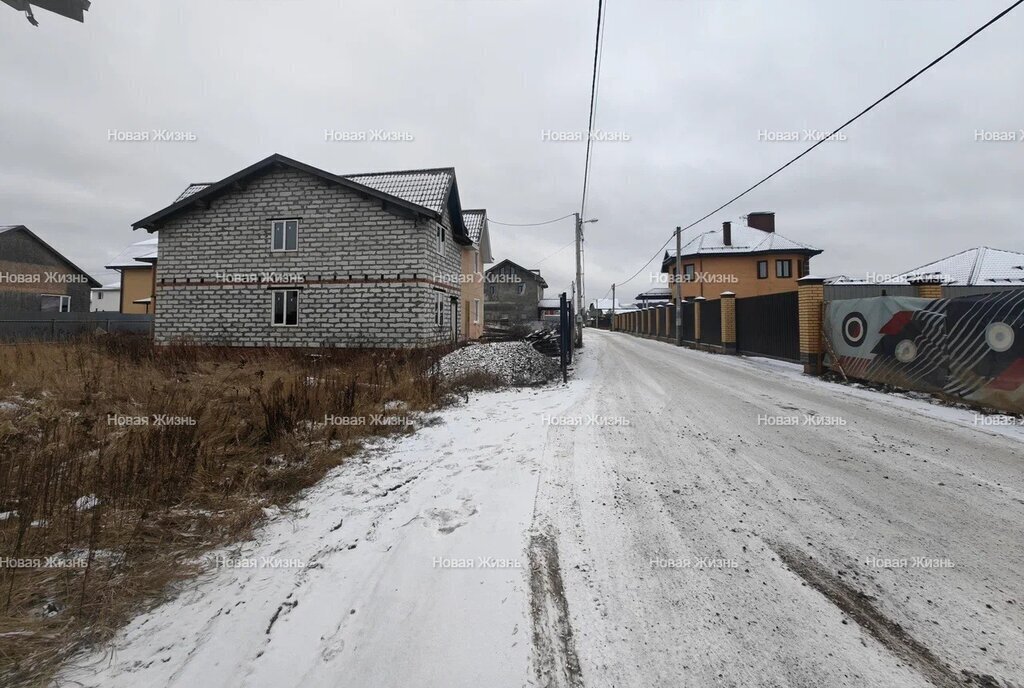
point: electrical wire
(529, 224)
(850, 121)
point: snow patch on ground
(406, 566)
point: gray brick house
(36, 278)
(285, 254)
(512, 294)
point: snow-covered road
(655, 523)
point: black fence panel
(672, 322)
(711, 322)
(55, 327)
(688, 335)
(769, 325)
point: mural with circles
(970, 348)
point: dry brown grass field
(98, 513)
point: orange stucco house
(751, 260)
(474, 257)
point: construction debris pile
(514, 363)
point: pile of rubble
(514, 363)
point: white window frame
(284, 305)
(521, 288)
(476, 311)
(441, 236)
(476, 262)
(439, 306)
(63, 303)
(284, 235)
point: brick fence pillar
(811, 297)
(729, 322)
(696, 317)
(928, 288)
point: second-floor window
(689, 271)
(476, 262)
(440, 239)
(784, 268)
(521, 289)
(285, 235)
(762, 269)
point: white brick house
(284, 254)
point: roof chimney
(764, 221)
(727, 233)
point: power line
(529, 224)
(598, 43)
(552, 255)
(850, 121)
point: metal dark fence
(688, 335)
(566, 334)
(55, 327)
(711, 322)
(769, 325)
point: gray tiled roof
(192, 189)
(474, 221)
(427, 188)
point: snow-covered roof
(982, 266)
(604, 305)
(4, 228)
(132, 256)
(427, 188)
(744, 240)
(113, 286)
(474, 221)
(549, 303)
(192, 189)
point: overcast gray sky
(693, 84)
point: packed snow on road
(660, 520)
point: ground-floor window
(476, 310)
(54, 303)
(286, 307)
(439, 300)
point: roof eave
(152, 222)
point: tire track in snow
(554, 650)
(887, 632)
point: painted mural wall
(969, 348)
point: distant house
(550, 310)
(285, 254)
(137, 267)
(748, 261)
(36, 278)
(599, 312)
(658, 296)
(975, 267)
(107, 299)
(512, 294)
(474, 257)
